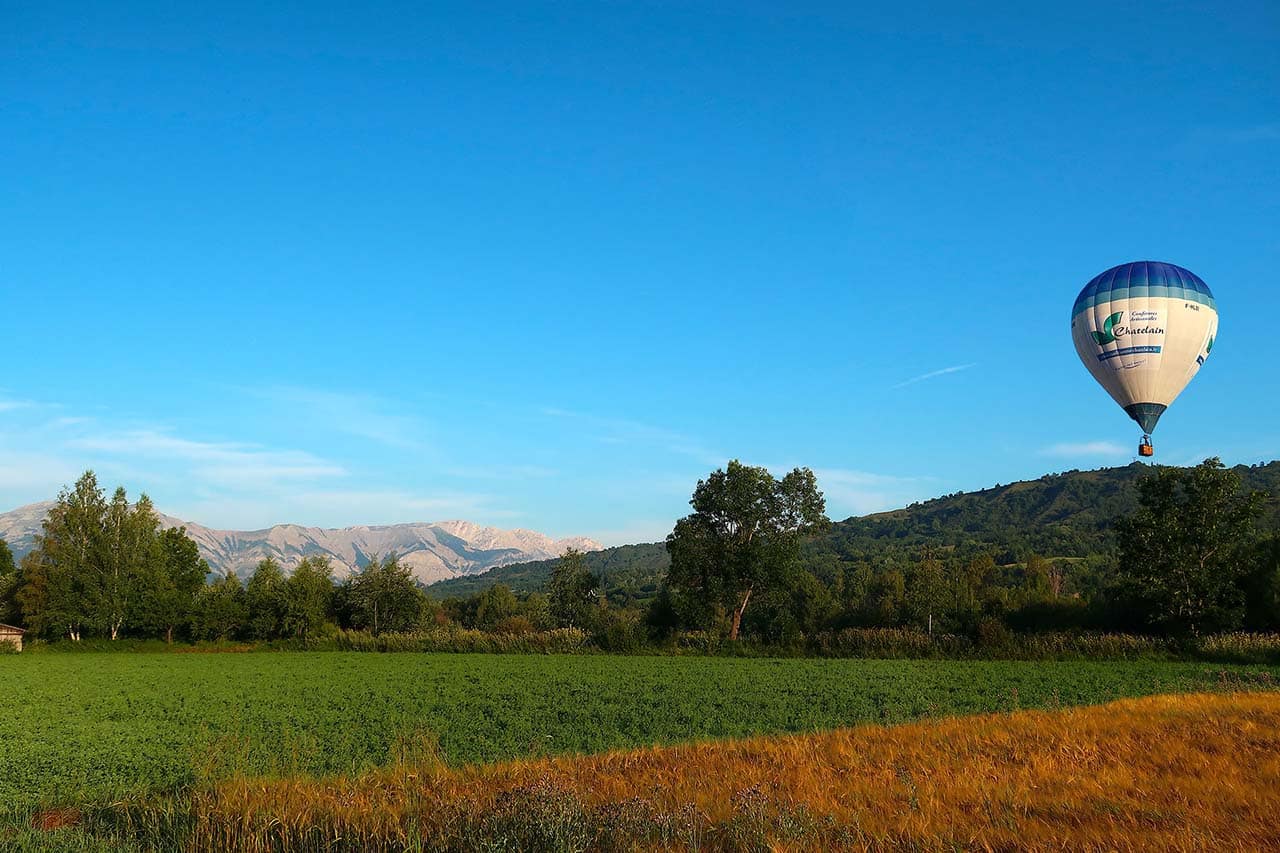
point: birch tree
(58, 580)
(127, 557)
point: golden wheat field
(1191, 772)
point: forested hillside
(1066, 515)
(627, 570)
(1058, 515)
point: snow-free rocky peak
(434, 551)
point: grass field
(1192, 772)
(89, 728)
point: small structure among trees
(11, 635)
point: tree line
(104, 568)
(1187, 558)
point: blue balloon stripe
(1188, 294)
(1144, 279)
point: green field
(86, 727)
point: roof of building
(12, 628)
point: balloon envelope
(1143, 330)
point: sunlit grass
(78, 729)
(1191, 772)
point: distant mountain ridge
(434, 551)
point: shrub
(1241, 647)
(994, 635)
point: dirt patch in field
(49, 820)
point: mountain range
(434, 551)
(1067, 516)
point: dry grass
(1191, 772)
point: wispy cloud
(625, 431)
(218, 483)
(933, 374)
(338, 508)
(218, 463)
(1076, 449)
(502, 472)
(634, 532)
(1200, 456)
(65, 423)
(852, 492)
(363, 415)
(36, 474)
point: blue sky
(545, 265)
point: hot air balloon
(1143, 330)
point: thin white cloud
(223, 484)
(634, 532)
(934, 374)
(40, 473)
(229, 463)
(850, 492)
(1070, 449)
(339, 508)
(1199, 456)
(502, 472)
(624, 431)
(358, 414)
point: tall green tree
(308, 595)
(10, 612)
(220, 611)
(743, 536)
(36, 597)
(537, 609)
(787, 614)
(926, 591)
(1041, 579)
(127, 557)
(494, 605)
(60, 582)
(7, 564)
(1262, 585)
(886, 598)
(1181, 551)
(265, 599)
(384, 597)
(569, 592)
(970, 584)
(171, 586)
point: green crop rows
(86, 727)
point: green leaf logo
(1208, 348)
(1106, 336)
